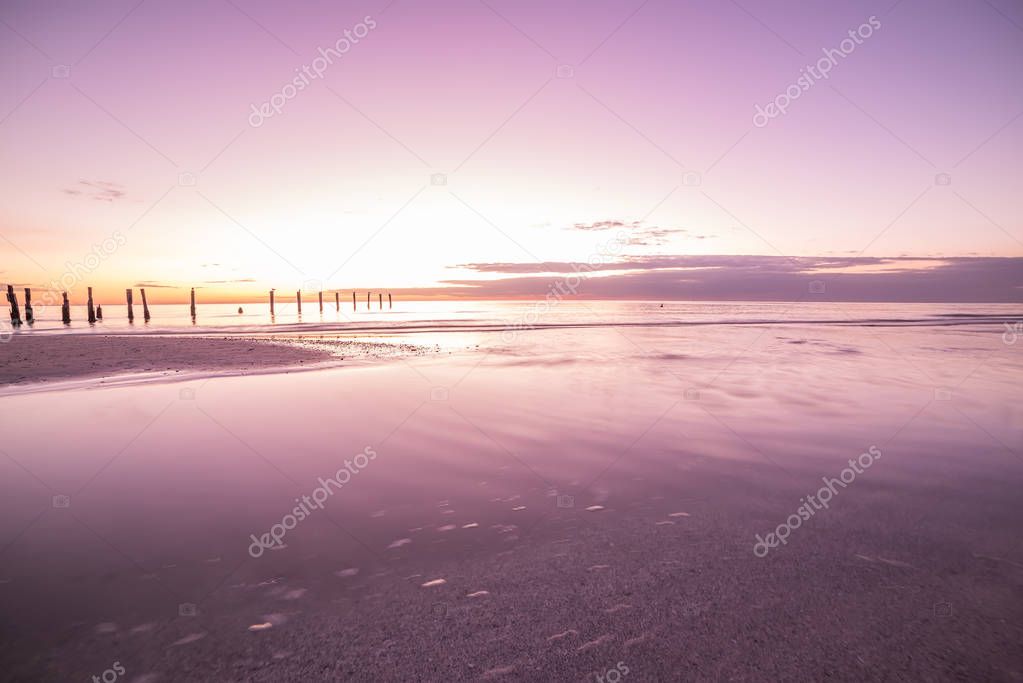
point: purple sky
(131, 122)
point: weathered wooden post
(380, 301)
(298, 296)
(131, 310)
(390, 304)
(337, 300)
(29, 317)
(321, 302)
(145, 305)
(367, 300)
(92, 312)
(271, 303)
(13, 300)
(353, 301)
(191, 308)
(99, 312)
(65, 310)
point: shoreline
(48, 360)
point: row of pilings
(95, 311)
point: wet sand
(553, 593)
(55, 357)
(455, 553)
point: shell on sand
(190, 638)
(563, 634)
(498, 671)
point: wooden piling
(13, 300)
(92, 311)
(29, 317)
(145, 305)
(298, 296)
(131, 310)
(353, 301)
(390, 304)
(271, 303)
(191, 308)
(321, 302)
(99, 312)
(367, 300)
(380, 301)
(337, 300)
(65, 310)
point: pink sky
(653, 128)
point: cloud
(656, 237)
(758, 278)
(155, 285)
(100, 190)
(604, 225)
(652, 236)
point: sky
(481, 148)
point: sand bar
(47, 358)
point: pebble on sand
(478, 594)
(679, 514)
(594, 508)
(434, 582)
(470, 525)
(261, 627)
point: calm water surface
(492, 453)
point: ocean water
(513, 315)
(557, 464)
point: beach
(560, 503)
(613, 342)
(56, 358)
